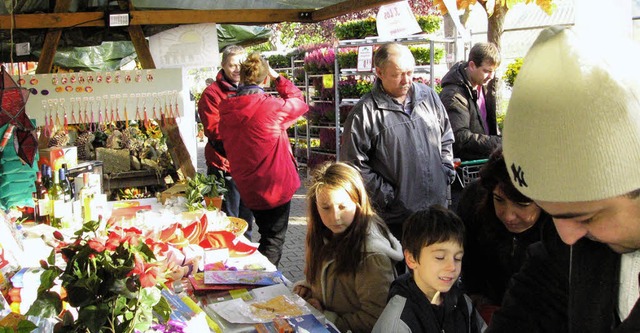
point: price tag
(396, 20)
(365, 58)
(327, 81)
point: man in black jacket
(471, 112)
(572, 143)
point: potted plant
(207, 188)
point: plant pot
(213, 202)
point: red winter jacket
(210, 117)
(257, 145)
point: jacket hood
(241, 108)
(455, 75)
(376, 242)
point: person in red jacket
(257, 145)
(226, 83)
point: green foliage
(429, 23)
(202, 185)
(500, 120)
(113, 283)
(348, 58)
(279, 61)
(24, 326)
(356, 29)
(512, 71)
(423, 56)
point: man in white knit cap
(572, 143)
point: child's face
(336, 209)
(438, 268)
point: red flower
(96, 245)
(148, 273)
(113, 241)
(158, 248)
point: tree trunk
(496, 25)
(494, 35)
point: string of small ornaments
(83, 82)
(93, 113)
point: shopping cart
(468, 171)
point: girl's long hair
(348, 248)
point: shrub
(348, 58)
(356, 29)
(429, 23)
(423, 55)
(512, 71)
(279, 61)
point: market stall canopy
(84, 23)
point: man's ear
(377, 71)
(472, 65)
(412, 263)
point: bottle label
(44, 207)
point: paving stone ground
(292, 262)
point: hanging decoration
(13, 100)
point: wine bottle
(41, 201)
(56, 197)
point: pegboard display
(93, 97)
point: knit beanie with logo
(572, 128)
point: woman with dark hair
(501, 223)
(253, 128)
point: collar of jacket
(250, 90)
(465, 79)
(385, 101)
(223, 80)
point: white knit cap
(572, 129)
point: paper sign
(327, 81)
(365, 58)
(396, 20)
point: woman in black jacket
(501, 223)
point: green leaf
(47, 305)
(48, 277)
(93, 316)
(150, 296)
(163, 309)
(25, 326)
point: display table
(226, 307)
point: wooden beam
(155, 17)
(141, 46)
(51, 40)
(346, 7)
(257, 16)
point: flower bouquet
(112, 283)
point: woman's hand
(273, 74)
(302, 291)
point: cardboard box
(55, 157)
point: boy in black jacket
(427, 299)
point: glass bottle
(86, 197)
(56, 197)
(68, 181)
(65, 185)
(41, 201)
